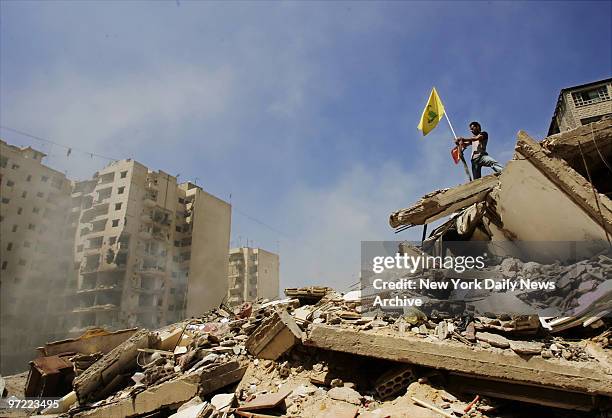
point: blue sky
(305, 112)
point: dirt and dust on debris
(316, 354)
(322, 353)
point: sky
(303, 115)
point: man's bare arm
(468, 141)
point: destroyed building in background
(581, 105)
(253, 274)
(35, 253)
(145, 245)
(130, 247)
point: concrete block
(274, 337)
(394, 381)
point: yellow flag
(432, 114)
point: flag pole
(459, 147)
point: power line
(261, 223)
(67, 148)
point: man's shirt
(480, 147)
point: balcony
(99, 225)
(100, 288)
(152, 270)
(96, 308)
(153, 254)
(147, 291)
(98, 209)
(151, 184)
(106, 178)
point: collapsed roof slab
(505, 366)
(536, 190)
(440, 203)
(593, 138)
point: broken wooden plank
(440, 203)
(507, 366)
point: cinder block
(394, 381)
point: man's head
(475, 127)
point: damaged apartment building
(253, 274)
(35, 253)
(150, 251)
(129, 247)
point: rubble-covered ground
(269, 359)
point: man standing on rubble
(480, 158)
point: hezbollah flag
(432, 114)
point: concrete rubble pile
(303, 357)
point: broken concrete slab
(217, 377)
(548, 192)
(593, 138)
(270, 400)
(168, 393)
(526, 347)
(192, 411)
(119, 360)
(345, 394)
(171, 392)
(505, 366)
(440, 203)
(223, 401)
(339, 410)
(91, 342)
(495, 340)
(274, 337)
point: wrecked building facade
(36, 252)
(147, 248)
(253, 274)
(129, 247)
